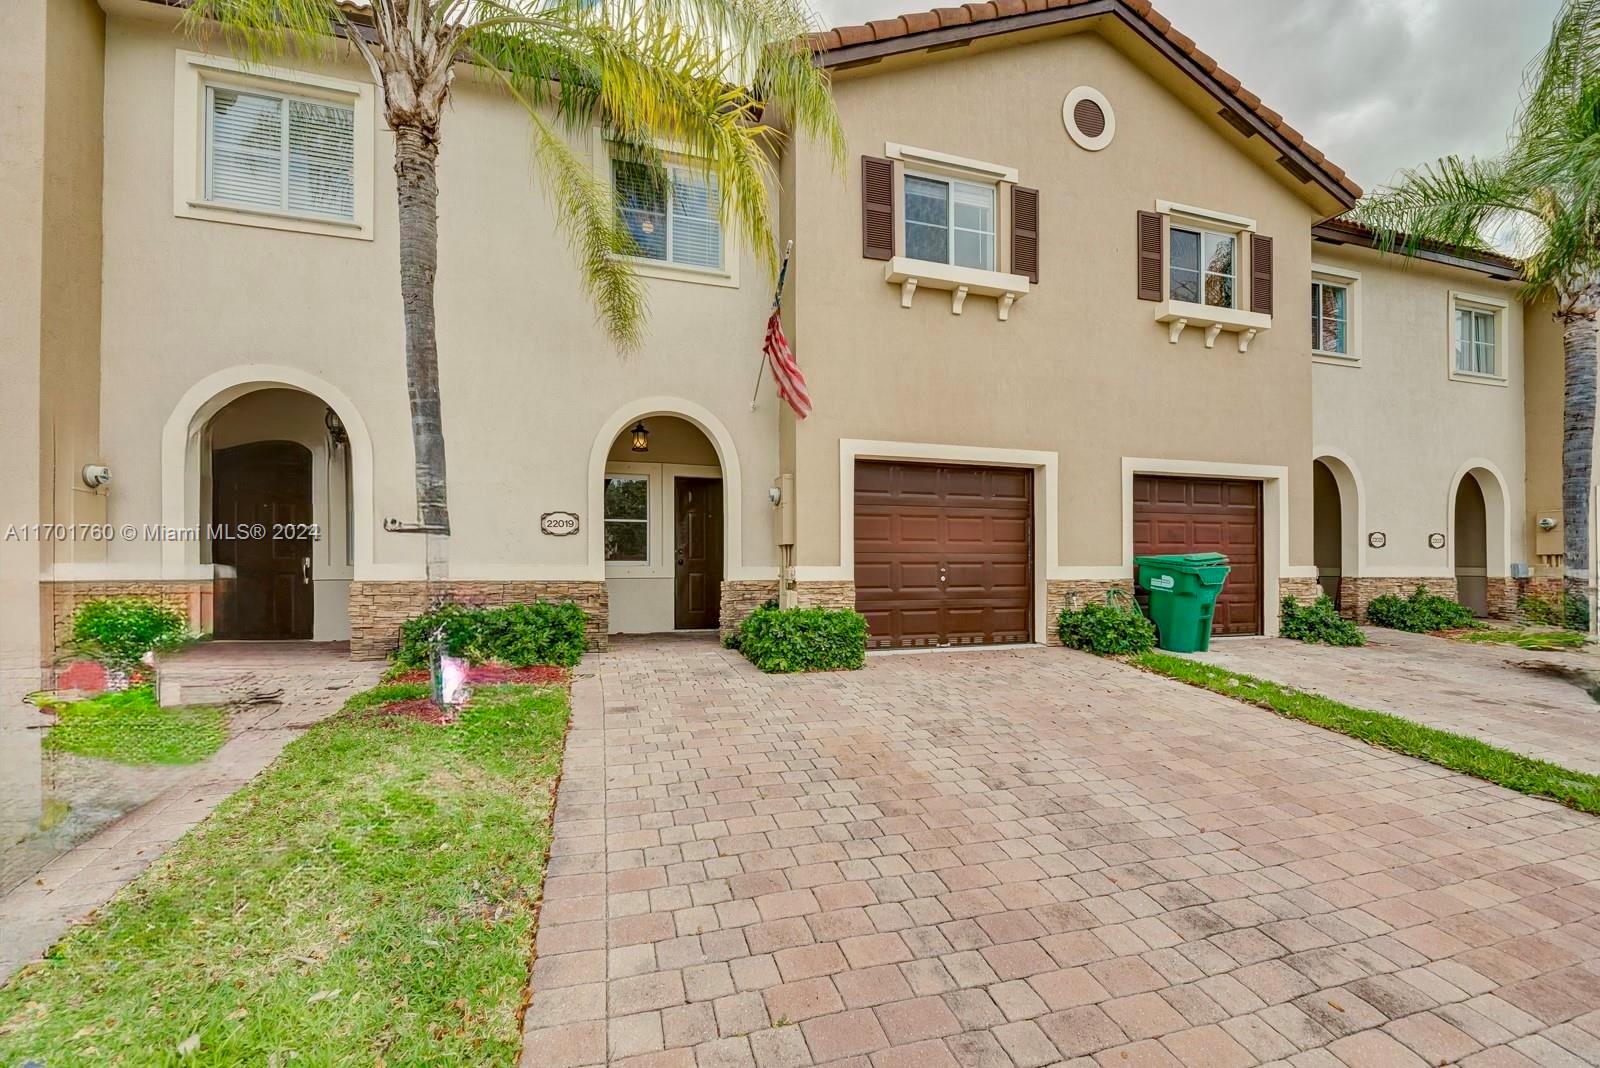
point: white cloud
(1378, 85)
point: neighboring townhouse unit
(1073, 298)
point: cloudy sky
(1378, 85)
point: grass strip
(1534, 640)
(1457, 752)
(368, 899)
(130, 728)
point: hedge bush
(1420, 613)
(1319, 623)
(119, 630)
(518, 635)
(1563, 611)
(804, 639)
(1113, 627)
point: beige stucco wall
(528, 380)
(50, 56)
(1404, 426)
(1081, 370)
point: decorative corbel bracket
(1245, 337)
(1175, 328)
(958, 297)
(1005, 302)
(908, 289)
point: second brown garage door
(1207, 515)
(943, 553)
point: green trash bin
(1183, 595)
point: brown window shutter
(877, 208)
(1025, 232)
(1150, 281)
(1261, 274)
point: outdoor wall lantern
(641, 437)
(337, 434)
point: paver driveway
(1484, 691)
(1032, 856)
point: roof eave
(1500, 268)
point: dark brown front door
(697, 549)
(261, 509)
(1206, 515)
(943, 553)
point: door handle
(305, 570)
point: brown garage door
(1207, 515)
(943, 553)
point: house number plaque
(1377, 539)
(1436, 540)
(558, 524)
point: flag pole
(777, 300)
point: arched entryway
(272, 469)
(1336, 523)
(1471, 538)
(663, 523)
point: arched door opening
(663, 516)
(1328, 533)
(275, 509)
(1472, 545)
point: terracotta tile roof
(905, 30)
(1341, 231)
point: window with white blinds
(677, 221)
(280, 153)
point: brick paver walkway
(1029, 857)
(1476, 690)
(310, 682)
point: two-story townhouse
(1072, 299)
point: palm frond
(257, 29)
(1452, 201)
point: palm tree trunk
(1577, 448)
(416, 160)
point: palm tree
(1543, 193)
(723, 81)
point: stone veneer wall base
(1303, 590)
(378, 608)
(1355, 594)
(192, 597)
(1074, 594)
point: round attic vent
(1089, 119)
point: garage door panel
(970, 527)
(1194, 515)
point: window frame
(673, 168)
(1498, 309)
(662, 506)
(950, 182)
(675, 156)
(1328, 274)
(1202, 233)
(285, 101)
(649, 478)
(196, 74)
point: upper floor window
(1476, 341)
(1203, 267)
(280, 153)
(950, 221)
(676, 220)
(627, 519)
(1330, 318)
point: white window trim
(1177, 314)
(661, 510)
(1351, 280)
(1204, 218)
(949, 166)
(195, 71)
(1500, 308)
(950, 217)
(726, 276)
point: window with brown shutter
(1261, 274)
(877, 208)
(1150, 256)
(1025, 232)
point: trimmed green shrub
(1318, 622)
(1420, 613)
(1113, 627)
(734, 638)
(518, 635)
(1536, 608)
(119, 630)
(804, 639)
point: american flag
(785, 372)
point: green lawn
(1454, 751)
(130, 728)
(369, 899)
